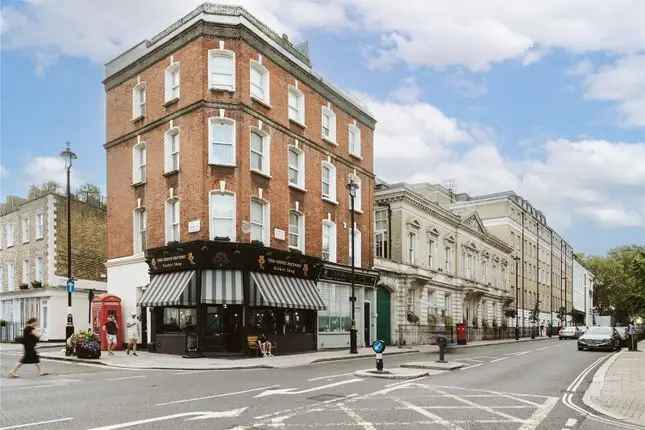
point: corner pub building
(228, 214)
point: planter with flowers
(36, 284)
(85, 344)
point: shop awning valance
(171, 289)
(284, 292)
(222, 287)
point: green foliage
(619, 282)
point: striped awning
(222, 287)
(284, 292)
(171, 289)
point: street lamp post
(68, 156)
(352, 187)
(517, 298)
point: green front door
(383, 327)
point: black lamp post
(517, 298)
(68, 156)
(352, 187)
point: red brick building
(218, 128)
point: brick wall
(88, 240)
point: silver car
(600, 338)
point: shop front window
(272, 322)
(177, 319)
(337, 316)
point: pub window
(172, 220)
(222, 214)
(296, 230)
(260, 144)
(259, 221)
(177, 319)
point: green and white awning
(171, 289)
(222, 287)
(284, 292)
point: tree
(619, 282)
(36, 191)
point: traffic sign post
(71, 285)
(379, 346)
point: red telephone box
(461, 334)
(102, 306)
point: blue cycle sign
(71, 285)
(378, 346)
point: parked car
(622, 333)
(600, 338)
(569, 333)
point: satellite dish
(246, 227)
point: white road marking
(571, 422)
(190, 372)
(291, 391)
(195, 415)
(482, 407)
(123, 378)
(539, 415)
(473, 366)
(329, 377)
(19, 426)
(436, 418)
(500, 359)
(543, 348)
(215, 396)
(360, 421)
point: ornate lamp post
(352, 187)
(68, 156)
(517, 298)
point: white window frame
(11, 276)
(265, 155)
(39, 269)
(412, 247)
(326, 111)
(300, 234)
(176, 221)
(358, 200)
(25, 230)
(9, 235)
(169, 155)
(383, 233)
(224, 53)
(299, 116)
(171, 88)
(332, 239)
(140, 229)
(448, 259)
(139, 101)
(264, 227)
(26, 272)
(358, 247)
(432, 244)
(139, 160)
(332, 182)
(211, 214)
(212, 122)
(300, 168)
(354, 143)
(265, 98)
(40, 225)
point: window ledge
(220, 89)
(171, 172)
(171, 102)
(138, 184)
(298, 122)
(138, 118)
(298, 187)
(328, 200)
(330, 141)
(210, 163)
(357, 156)
(264, 103)
(261, 173)
(40, 238)
(25, 241)
(358, 211)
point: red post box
(104, 305)
(461, 334)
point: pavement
(148, 360)
(511, 386)
(618, 387)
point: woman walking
(30, 337)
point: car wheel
(560, 338)
(580, 348)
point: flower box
(23, 286)
(85, 344)
(36, 284)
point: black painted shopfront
(216, 297)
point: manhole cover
(325, 397)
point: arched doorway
(383, 318)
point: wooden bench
(254, 348)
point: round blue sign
(378, 346)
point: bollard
(379, 362)
(379, 346)
(442, 342)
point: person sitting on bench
(265, 346)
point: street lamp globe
(352, 187)
(68, 156)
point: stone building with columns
(436, 268)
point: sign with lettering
(173, 263)
(194, 226)
(279, 234)
(343, 274)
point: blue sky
(547, 100)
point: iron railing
(10, 330)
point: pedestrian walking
(133, 334)
(542, 328)
(631, 332)
(111, 328)
(30, 336)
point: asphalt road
(510, 386)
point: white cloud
(44, 169)
(581, 68)
(623, 83)
(468, 87)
